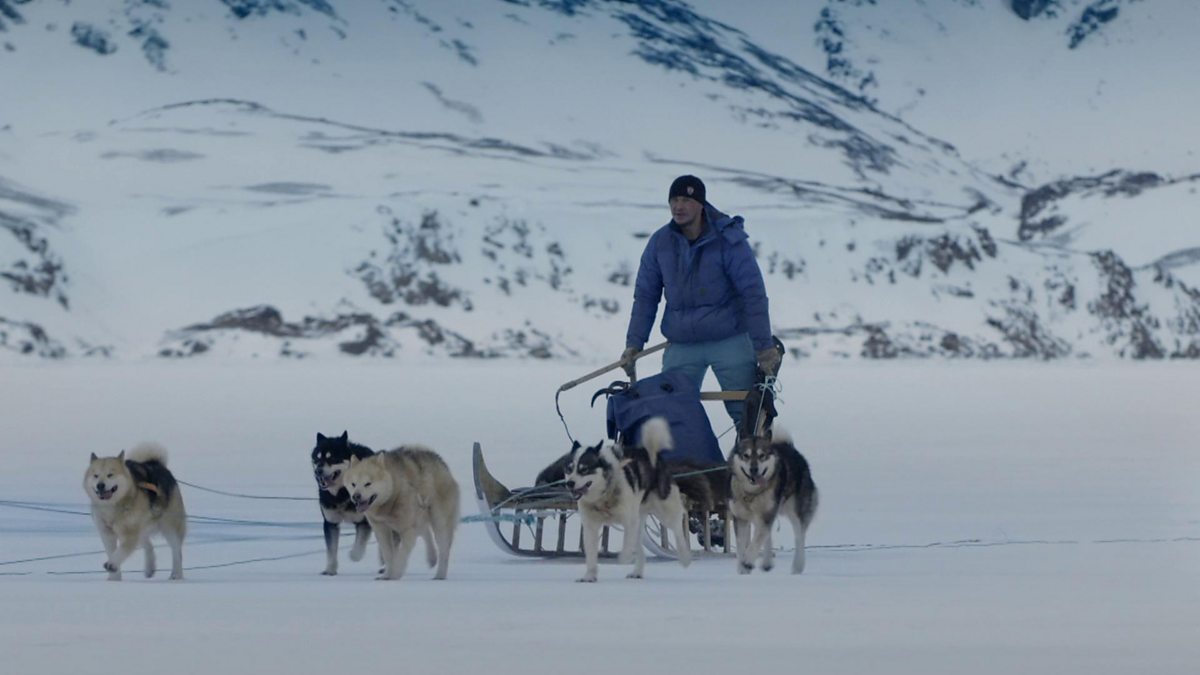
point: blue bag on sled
(672, 395)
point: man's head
(686, 198)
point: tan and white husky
(133, 499)
(406, 493)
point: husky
(406, 493)
(768, 477)
(133, 499)
(330, 459)
(621, 485)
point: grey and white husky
(621, 485)
(406, 493)
(133, 499)
(769, 477)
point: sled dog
(330, 459)
(133, 499)
(769, 477)
(704, 486)
(406, 493)
(621, 485)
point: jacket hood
(732, 228)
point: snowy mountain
(419, 179)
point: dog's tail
(780, 435)
(656, 437)
(148, 452)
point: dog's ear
(345, 436)
(94, 457)
(353, 460)
(121, 457)
(320, 437)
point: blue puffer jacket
(714, 287)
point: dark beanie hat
(687, 186)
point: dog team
(408, 493)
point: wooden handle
(612, 366)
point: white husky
(406, 493)
(131, 500)
(621, 485)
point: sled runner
(541, 522)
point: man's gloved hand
(628, 364)
(768, 360)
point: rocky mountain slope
(302, 178)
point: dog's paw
(586, 579)
(767, 566)
(745, 568)
(149, 572)
(109, 567)
(356, 554)
(633, 575)
(176, 576)
(114, 576)
(329, 573)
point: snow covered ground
(975, 518)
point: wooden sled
(537, 522)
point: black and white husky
(330, 459)
(621, 485)
(769, 477)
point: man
(716, 311)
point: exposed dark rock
(37, 269)
(1022, 329)
(605, 305)
(789, 268)
(886, 341)
(95, 39)
(29, 339)
(1028, 9)
(1112, 184)
(9, 12)
(514, 247)
(1128, 325)
(408, 274)
(154, 46)
(375, 337)
(985, 241)
(247, 8)
(1094, 17)
(831, 35)
(878, 345)
(161, 155)
(622, 276)
(942, 251)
